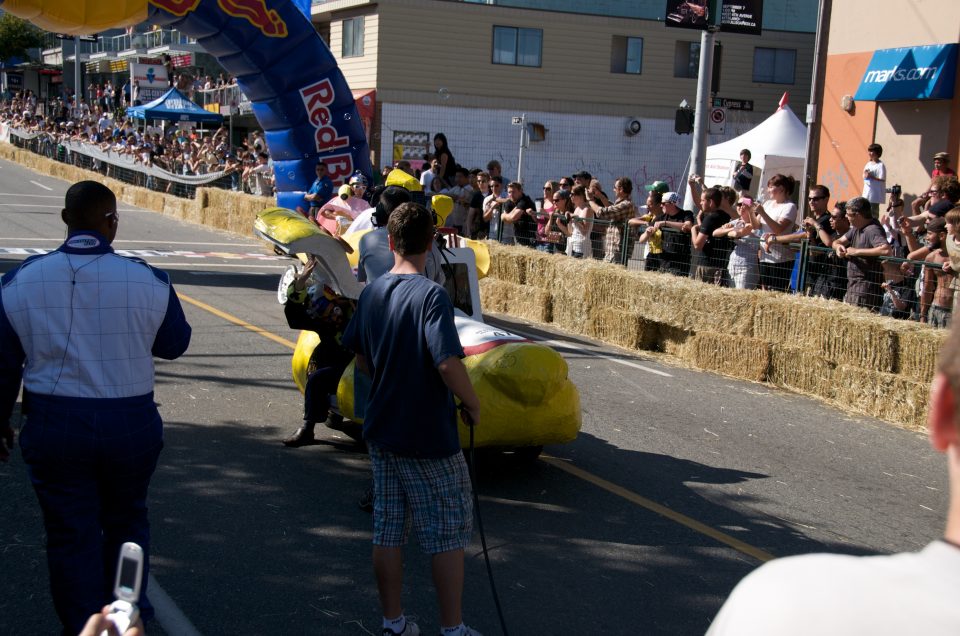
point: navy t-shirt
(404, 328)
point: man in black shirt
(674, 225)
(716, 249)
(522, 212)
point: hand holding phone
(124, 611)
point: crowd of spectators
(179, 150)
(870, 251)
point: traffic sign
(517, 121)
(718, 120)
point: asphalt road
(680, 483)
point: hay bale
(571, 312)
(841, 333)
(886, 396)
(801, 370)
(622, 328)
(672, 300)
(788, 318)
(860, 340)
(918, 347)
(729, 354)
(508, 262)
(521, 301)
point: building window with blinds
(352, 37)
(517, 46)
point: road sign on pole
(718, 121)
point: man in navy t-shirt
(405, 339)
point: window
(774, 66)
(686, 59)
(352, 37)
(520, 47)
(626, 55)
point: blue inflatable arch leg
(285, 69)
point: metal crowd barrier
(124, 168)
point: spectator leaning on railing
(616, 213)
(674, 226)
(777, 216)
(743, 266)
(580, 225)
(716, 248)
(936, 301)
(861, 247)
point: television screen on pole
(687, 14)
(742, 16)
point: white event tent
(777, 145)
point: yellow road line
(563, 465)
(661, 510)
(237, 321)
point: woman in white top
(581, 223)
(777, 216)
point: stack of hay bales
(847, 356)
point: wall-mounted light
(846, 103)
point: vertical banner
(742, 16)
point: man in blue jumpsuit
(80, 327)
(320, 192)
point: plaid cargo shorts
(434, 494)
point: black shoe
(366, 500)
(302, 437)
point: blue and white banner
(916, 72)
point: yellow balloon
(78, 17)
(443, 206)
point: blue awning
(917, 72)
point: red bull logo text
(178, 8)
(317, 99)
(339, 167)
(257, 14)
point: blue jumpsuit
(80, 327)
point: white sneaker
(411, 629)
(468, 631)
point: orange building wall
(844, 137)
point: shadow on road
(254, 538)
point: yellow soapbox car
(526, 398)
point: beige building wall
(913, 132)
(870, 25)
(360, 71)
(441, 52)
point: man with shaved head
(80, 327)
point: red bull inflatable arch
(299, 96)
